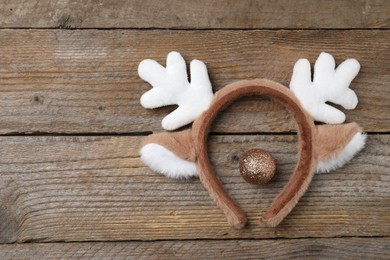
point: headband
(183, 154)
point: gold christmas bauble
(257, 166)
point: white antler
(171, 86)
(329, 84)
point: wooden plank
(320, 248)
(86, 81)
(195, 14)
(96, 188)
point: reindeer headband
(183, 154)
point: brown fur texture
(330, 140)
(304, 170)
(180, 143)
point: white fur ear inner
(161, 160)
(354, 146)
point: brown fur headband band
(184, 154)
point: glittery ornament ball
(257, 166)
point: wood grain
(320, 248)
(57, 81)
(195, 14)
(96, 189)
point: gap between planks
(149, 133)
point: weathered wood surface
(74, 81)
(320, 248)
(95, 188)
(195, 14)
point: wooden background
(72, 184)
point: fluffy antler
(171, 86)
(329, 84)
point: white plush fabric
(171, 86)
(161, 160)
(354, 146)
(329, 84)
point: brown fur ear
(334, 145)
(180, 143)
(171, 154)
